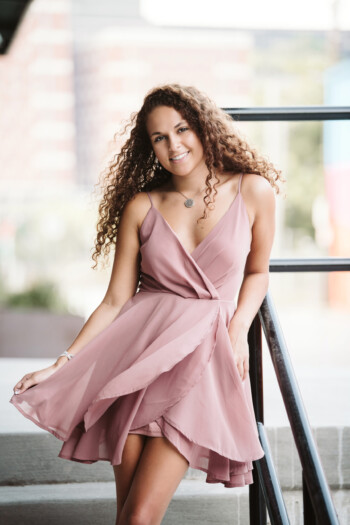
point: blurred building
(37, 130)
(76, 69)
(72, 76)
(118, 57)
(73, 73)
(37, 125)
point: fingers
(23, 384)
(241, 355)
(242, 367)
(246, 369)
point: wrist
(60, 361)
(63, 358)
(239, 325)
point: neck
(190, 185)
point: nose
(174, 142)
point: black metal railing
(328, 264)
(290, 113)
(265, 493)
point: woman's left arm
(260, 202)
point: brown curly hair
(135, 167)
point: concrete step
(194, 502)
(32, 458)
(39, 487)
(95, 503)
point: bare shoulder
(257, 190)
(256, 186)
(135, 209)
(258, 196)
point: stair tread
(104, 490)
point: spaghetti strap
(149, 196)
(239, 183)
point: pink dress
(165, 365)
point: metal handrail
(290, 113)
(326, 264)
(313, 473)
(265, 489)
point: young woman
(159, 380)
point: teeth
(178, 157)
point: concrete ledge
(36, 329)
(33, 459)
(91, 503)
(194, 502)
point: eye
(157, 139)
(183, 129)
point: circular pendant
(189, 203)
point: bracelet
(67, 354)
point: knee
(138, 516)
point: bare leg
(124, 472)
(159, 471)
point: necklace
(190, 202)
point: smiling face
(177, 147)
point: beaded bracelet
(67, 354)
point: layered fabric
(165, 365)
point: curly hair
(135, 168)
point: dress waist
(162, 291)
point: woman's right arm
(122, 286)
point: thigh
(158, 474)
(124, 472)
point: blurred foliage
(289, 70)
(306, 179)
(295, 64)
(43, 295)
(2, 290)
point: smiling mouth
(179, 157)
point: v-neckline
(191, 254)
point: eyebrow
(177, 125)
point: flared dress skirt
(165, 365)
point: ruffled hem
(220, 469)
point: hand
(241, 354)
(33, 378)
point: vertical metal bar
(270, 486)
(257, 506)
(255, 368)
(309, 513)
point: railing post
(257, 506)
(309, 513)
